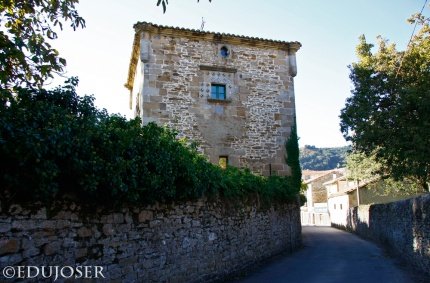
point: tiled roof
(350, 189)
(289, 46)
(146, 25)
(323, 174)
(341, 178)
(310, 174)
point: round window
(224, 52)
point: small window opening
(218, 91)
(224, 52)
(223, 162)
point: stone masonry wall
(402, 226)
(250, 126)
(197, 241)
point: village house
(342, 194)
(233, 95)
(315, 210)
(340, 198)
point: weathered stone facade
(170, 78)
(197, 241)
(402, 226)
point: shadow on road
(330, 255)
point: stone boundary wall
(197, 241)
(403, 227)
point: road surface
(332, 255)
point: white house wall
(338, 208)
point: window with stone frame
(218, 91)
(224, 52)
(216, 75)
(223, 161)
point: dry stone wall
(402, 226)
(197, 241)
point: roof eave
(133, 62)
(140, 27)
(217, 37)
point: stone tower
(233, 95)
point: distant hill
(314, 158)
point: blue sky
(328, 30)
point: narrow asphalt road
(332, 255)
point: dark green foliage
(388, 113)
(55, 144)
(293, 160)
(26, 58)
(313, 158)
(237, 183)
(293, 154)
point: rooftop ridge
(141, 26)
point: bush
(54, 143)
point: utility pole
(358, 192)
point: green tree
(55, 144)
(313, 158)
(361, 167)
(292, 158)
(388, 112)
(26, 57)
(365, 168)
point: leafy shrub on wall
(54, 143)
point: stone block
(24, 225)
(144, 50)
(61, 224)
(108, 229)
(145, 215)
(28, 253)
(155, 223)
(84, 232)
(151, 91)
(118, 218)
(8, 246)
(155, 98)
(5, 227)
(52, 248)
(11, 259)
